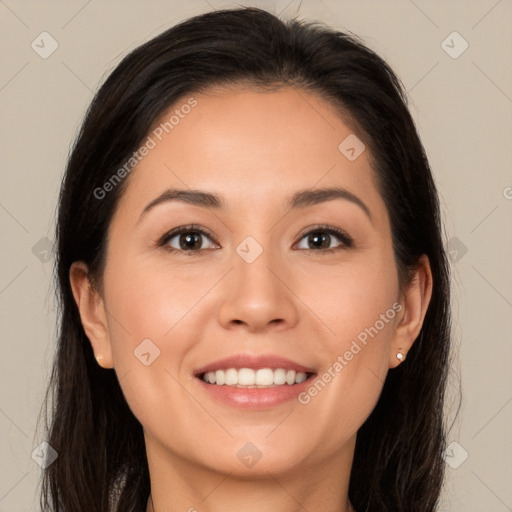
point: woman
(253, 287)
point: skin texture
(255, 149)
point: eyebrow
(301, 199)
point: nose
(258, 296)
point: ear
(415, 300)
(92, 313)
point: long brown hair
(102, 465)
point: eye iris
(319, 240)
(190, 241)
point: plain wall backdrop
(454, 59)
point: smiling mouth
(255, 378)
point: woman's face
(269, 284)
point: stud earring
(400, 356)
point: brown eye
(187, 240)
(324, 239)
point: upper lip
(255, 362)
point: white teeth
(300, 377)
(290, 377)
(264, 377)
(246, 377)
(220, 377)
(231, 377)
(279, 376)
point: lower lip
(255, 398)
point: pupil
(189, 240)
(318, 239)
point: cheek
(359, 305)
(348, 386)
(154, 317)
(150, 300)
(150, 333)
(349, 297)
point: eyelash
(346, 240)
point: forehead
(250, 146)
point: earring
(98, 359)
(400, 356)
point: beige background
(463, 108)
